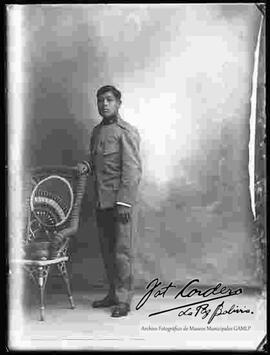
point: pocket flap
(110, 149)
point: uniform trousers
(116, 247)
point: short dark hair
(111, 88)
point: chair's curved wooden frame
(32, 199)
(39, 269)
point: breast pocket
(111, 158)
(111, 146)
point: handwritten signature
(188, 291)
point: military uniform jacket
(115, 162)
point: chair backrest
(55, 200)
(52, 200)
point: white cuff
(123, 204)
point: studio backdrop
(186, 77)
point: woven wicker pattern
(52, 200)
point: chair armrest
(66, 233)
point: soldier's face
(108, 104)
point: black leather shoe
(106, 302)
(120, 310)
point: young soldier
(116, 168)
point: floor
(85, 328)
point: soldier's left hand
(123, 213)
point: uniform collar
(110, 120)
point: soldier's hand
(123, 213)
(83, 168)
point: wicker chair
(53, 217)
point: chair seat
(41, 262)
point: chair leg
(31, 272)
(43, 272)
(63, 270)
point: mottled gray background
(185, 72)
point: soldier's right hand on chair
(83, 168)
